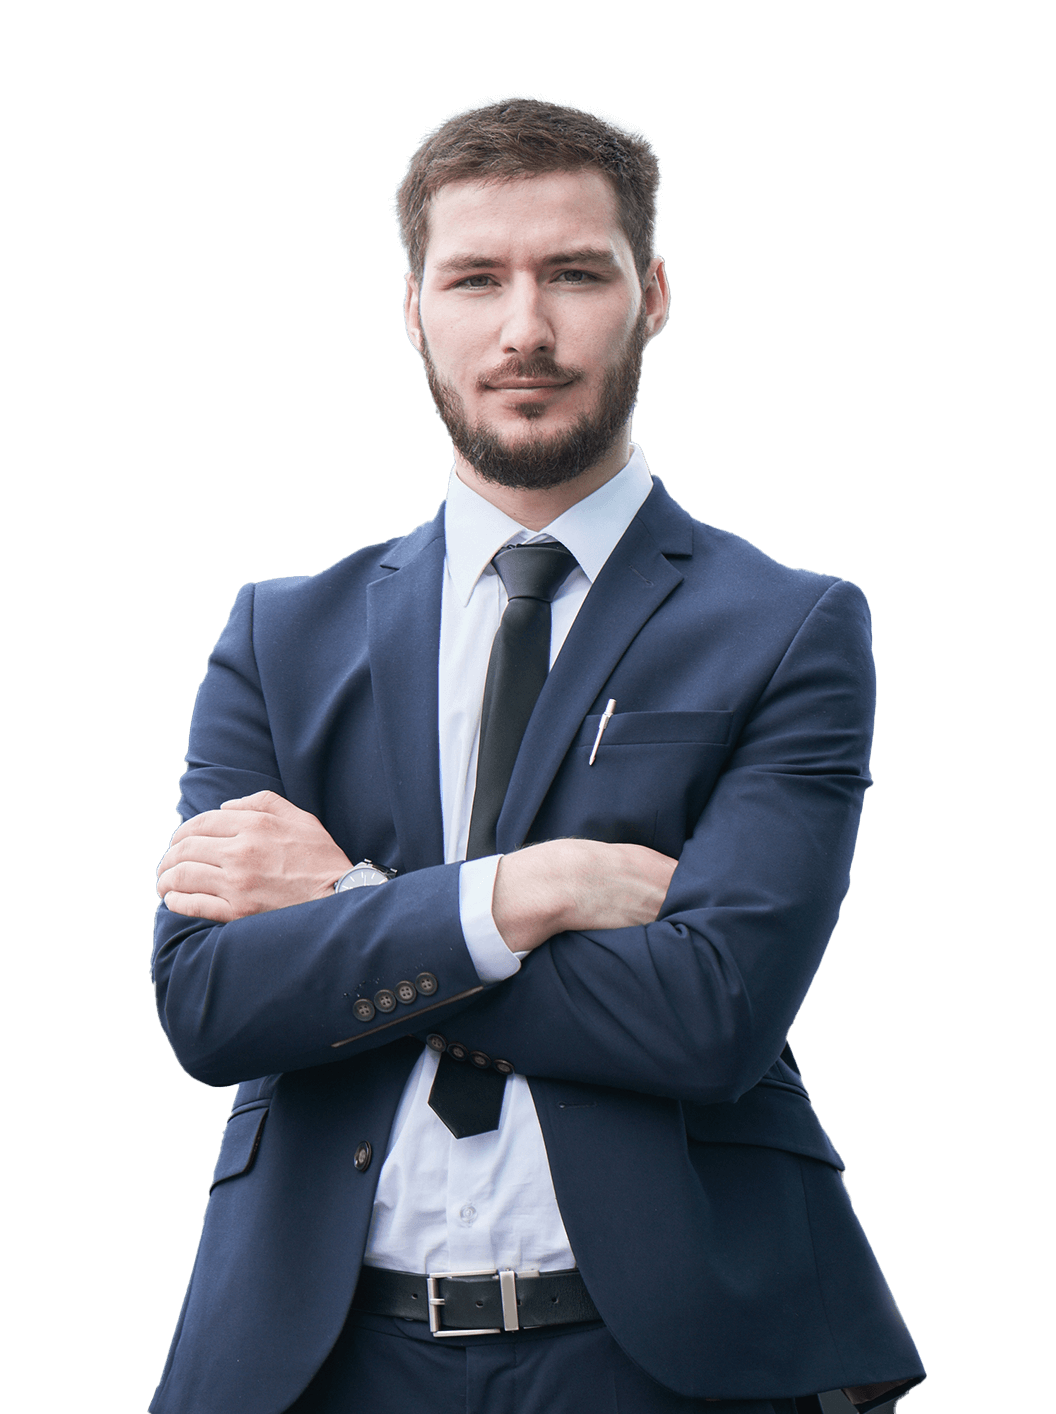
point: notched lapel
(633, 583)
(403, 626)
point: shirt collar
(474, 529)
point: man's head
(533, 287)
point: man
(557, 1072)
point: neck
(535, 509)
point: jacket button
(384, 1000)
(426, 983)
(457, 1051)
(436, 1043)
(503, 1067)
(405, 992)
(363, 1009)
(363, 1155)
(480, 1059)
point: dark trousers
(388, 1366)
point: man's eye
(566, 277)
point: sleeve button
(457, 1051)
(384, 1000)
(480, 1059)
(363, 1009)
(503, 1067)
(406, 992)
(436, 1043)
(363, 1155)
(426, 983)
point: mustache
(537, 366)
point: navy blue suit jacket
(690, 1170)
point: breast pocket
(656, 729)
(651, 778)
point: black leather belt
(476, 1303)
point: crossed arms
(262, 852)
(678, 983)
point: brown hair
(524, 137)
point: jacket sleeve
(697, 1005)
(275, 991)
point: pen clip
(606, 718)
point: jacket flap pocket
(241, 1141)
(772, 1116)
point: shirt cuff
(489, 954)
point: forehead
(526, 219)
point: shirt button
(363, 1155)
(385, 1000)
(363, 1009)
(480, 1059)
(426, 983)
(468, 1213)
(503, 1067)
(406, 992)
(436, 1043)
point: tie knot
(534, 571)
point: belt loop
(508, 1292)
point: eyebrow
(597, 256)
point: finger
(195, 849)
(193, 878)
(192, 847)
(218, 910)
(209, 822)
(267, 801)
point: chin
(535, 463)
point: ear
(656, 293)
(410, 314)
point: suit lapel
(633, 583)
(403, 626)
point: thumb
(266, 801)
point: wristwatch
(362, 874)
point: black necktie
(466, 1097)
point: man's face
(531, 321)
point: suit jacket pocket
(658, 729)
(241, 1142)
(773, 1116)
(652, 777)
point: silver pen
(606, 717)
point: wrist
(532, 900)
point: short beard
(539, 463)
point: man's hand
(574, 884)
(250, 856)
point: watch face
(361, 875)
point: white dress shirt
(486, 1201)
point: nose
(526, 327)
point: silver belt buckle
(507, 1292)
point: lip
(526, 385)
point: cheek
(603, 341)
(455, 347)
